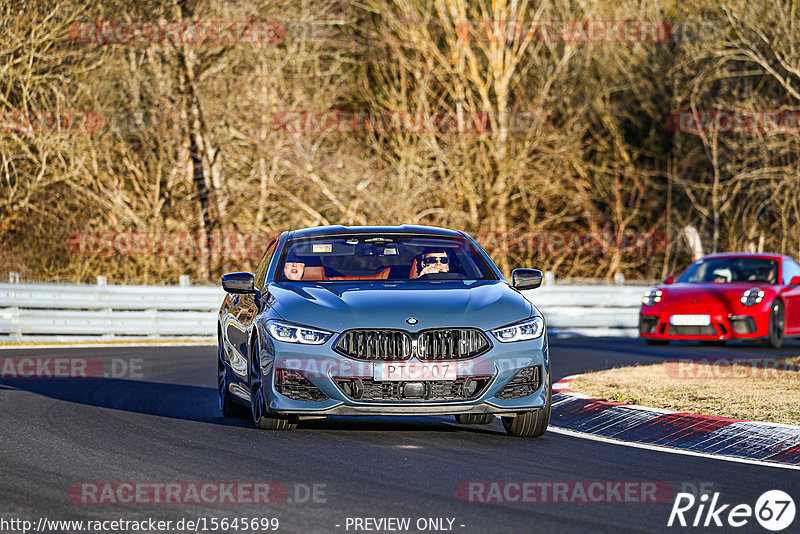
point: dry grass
(741, 389)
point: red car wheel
(777, 323)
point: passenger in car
(772, 278)
(293, 270)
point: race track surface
(158, 422)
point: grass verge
(750, 389)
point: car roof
(764, 255)
(348, 230)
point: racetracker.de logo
(111, 243)
(734, 122)
(568, 491)
(726, 368)
(294, 368)
(39, 122)
(334, 121)
(632, 242)
(44, 367)
(177, 493)
(565, 31)
(177, 32)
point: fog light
(470, 387)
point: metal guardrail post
(102, 280)
(184, 280)
(13, 277)
(549, 278)
(619, 279)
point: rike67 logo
(774, 511)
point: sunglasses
(430, 260)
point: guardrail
(32, 310)
(37, 311)
(592, 311)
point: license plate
(690, 320)
(415, 371)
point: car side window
(263, 266)
(790, 270)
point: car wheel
(227, 406)
(777, 323)
(530, 424)
(475, 418)
(258, 412)
(657, 341)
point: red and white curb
(752, 440)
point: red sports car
(726, 296)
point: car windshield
(728, 270)
(381, 257)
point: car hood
(705, 294)
(340, 306)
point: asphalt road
(157, 421)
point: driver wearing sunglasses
(435, 262)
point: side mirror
(669, 280)
(526, 278)
(238, 283)
(795, 281)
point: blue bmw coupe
(397, 320)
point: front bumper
(410, 409)
(747, 323)
(326, 369)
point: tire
(227, 406)
(530, 424)
(656, 341)
(777, 324)
(475, 419)
(259, 415)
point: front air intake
(526, 382)
(293, 384)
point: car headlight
(652, 296)
(293, 333)
(753, 296)
(527, 329)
